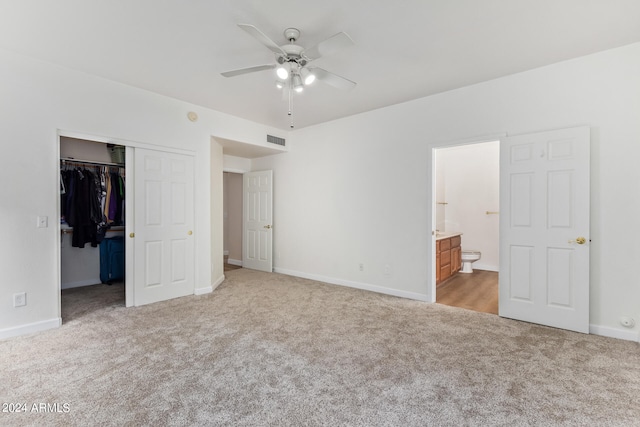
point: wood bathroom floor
(476, 291)
(229, 267)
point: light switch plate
(43, 222)
(20, 299)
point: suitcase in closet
(112, 259)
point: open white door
(164, 215)
(257, 229)
(544, 228)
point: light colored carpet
(272, 350)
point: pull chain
(290, 103)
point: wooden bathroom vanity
(448, 255)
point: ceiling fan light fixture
(292, 60)
(297, 83)
(308, 76)
(282, 72)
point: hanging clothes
(91, 202)
(118, 196)
(107, 202)
(113, 199)
(84, 229)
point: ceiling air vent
(275, 140)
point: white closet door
(164, 217)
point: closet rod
(114, 229)
(91, 162)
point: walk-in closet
(92, 225)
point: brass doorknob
(579, 240)
(189, 232)
(267, 226)
(132, 235)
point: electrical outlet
(361, 267)
(388, 270)
(20, 299)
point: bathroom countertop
(446, 234)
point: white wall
(358, 190)
(236, 164)
(470, 176)
(225, 212)
(38, 100)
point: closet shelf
(111, 230)
(65, 160)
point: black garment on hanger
(66, 200)
(84, 228)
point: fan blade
(247, 70)
(327, 47)
(262, 38)
(333, 79)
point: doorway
(92, 226)
(232, 223)
(466, 199)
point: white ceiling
(403, 49)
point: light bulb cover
(297, 83)
(283, 72)
(308, 76)
(279, 84)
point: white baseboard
(80, 283)
(202, 291)
(209, 289)
(486, 267)
(217, 282)
(622, 334)
(30, 328)
(352, 284)
(237, 262)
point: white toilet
(469, 257)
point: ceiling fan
(292, 60)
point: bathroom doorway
(466, 199)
